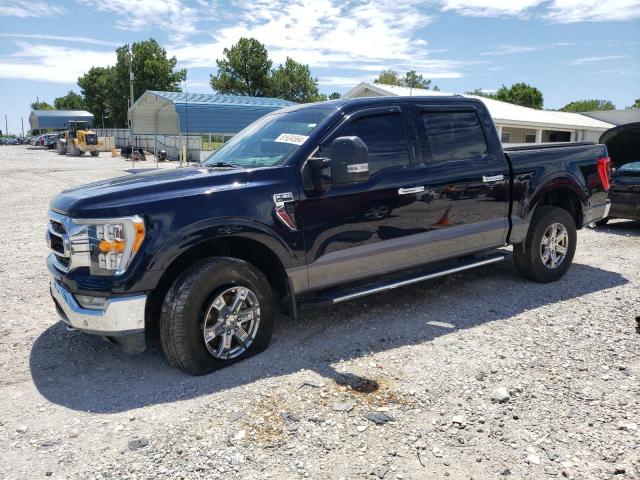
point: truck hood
(119, 196)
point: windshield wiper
(224, 165)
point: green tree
(588, 106)
(478, 92)
(94, 86)
(38, 105)
(521, 94)
(636, 104)
(334, 96)
(412, 80)
(152, 70)
(389, 77)
(71, 101)
(244, 70)
(293, 81)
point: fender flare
(197, 233)
(549, 183)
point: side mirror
(349, 161)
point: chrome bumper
(121, 316)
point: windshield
(270, 140)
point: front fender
(178, 242)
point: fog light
(92, 303)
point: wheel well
(566, 199)
(245, 249)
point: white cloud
(29, 8)
(571, 11)
(75, 40)
(174, 17)
(559, 11)
(509, 49)
(587, 60)
(337, 81)
(489, 8)
(367, 36)
(52, 63)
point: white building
(617, 117)
(515, 124)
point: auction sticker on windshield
(291, 138)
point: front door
(356, 231)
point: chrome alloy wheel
(554, 245)
(231, 323)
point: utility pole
(6, 126)
(22, 123)
(133, 161)
(130, 78)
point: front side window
(453, 135)
(382, 134)
(270, 140)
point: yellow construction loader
(78, 140)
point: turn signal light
(604, 172)
(118, 246)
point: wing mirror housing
(349, 161)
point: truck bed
(510, 147)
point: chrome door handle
(409, 190)
(493, 178)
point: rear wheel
(547, 252)
(95, 153)
(216, 313)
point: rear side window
(384, 137)
(453, 135)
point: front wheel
(218, 312)
(547, 252)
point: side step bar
(369, 289)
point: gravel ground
(478, 375)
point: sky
(569, 49)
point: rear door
(466, 181)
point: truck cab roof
(348, 104)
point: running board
(343, 295)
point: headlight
(112, 243)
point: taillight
(604, 171)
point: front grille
(57, 227)
(57, 245)
(57, 236)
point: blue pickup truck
(313, 204)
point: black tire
(527, 256)
(95, 153)
(187, 301)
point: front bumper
(121, 316)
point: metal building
(175, 113)
(57, 119)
